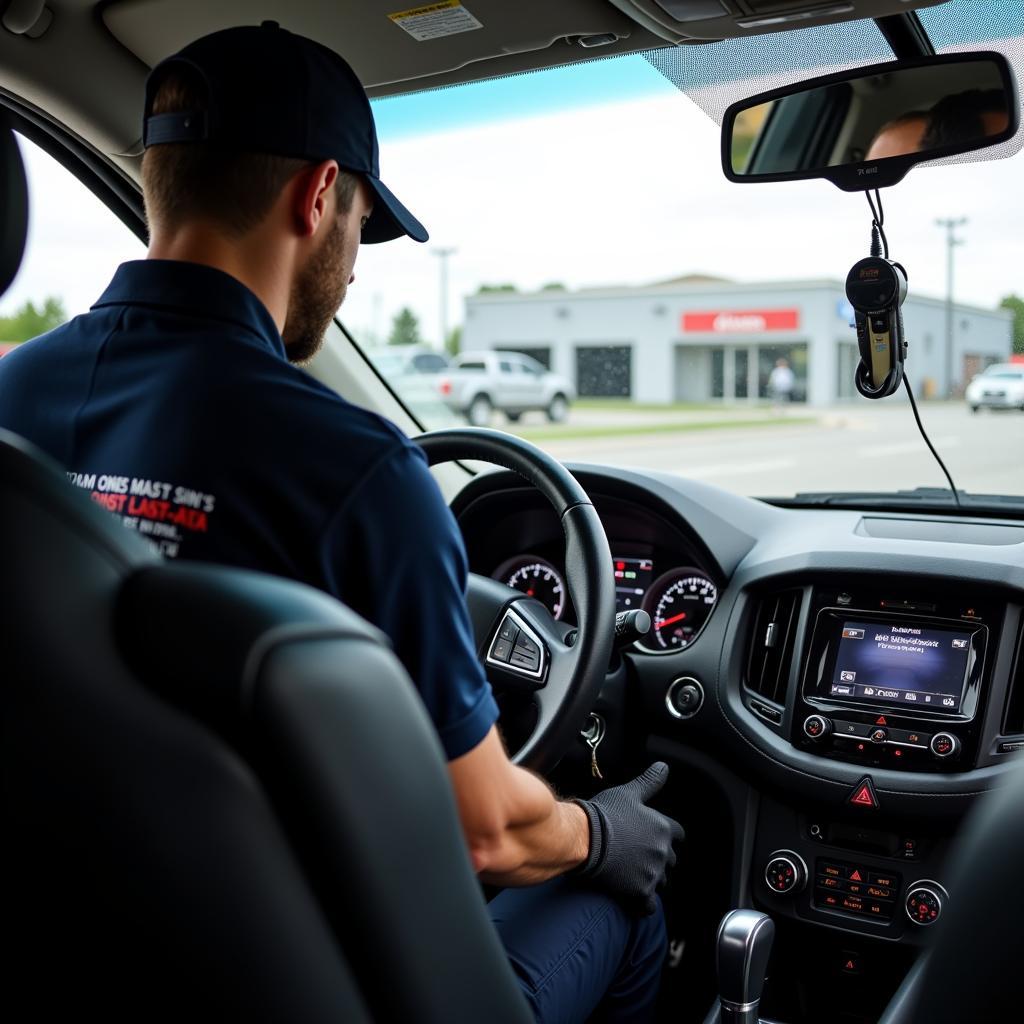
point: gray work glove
(631, 843)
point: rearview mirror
(866, 127)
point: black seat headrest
(13, 205)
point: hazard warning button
(863, 794)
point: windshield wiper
(937, 499)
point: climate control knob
(817, 727)
(924, 902)
(945, 744)
(786, 872)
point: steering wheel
(520, 644)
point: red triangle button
(881, 720)
(855, 877)
(863, 794)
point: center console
(885, 680)
(856, 900)
(894, 683)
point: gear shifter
(744, 945)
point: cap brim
(390, 219)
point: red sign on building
(742, 321)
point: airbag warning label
(434, 21)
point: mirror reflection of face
(899, 137)
(872, 115)
(995, 121)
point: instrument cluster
(679, 599)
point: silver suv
(477, 383)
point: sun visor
(424, 45)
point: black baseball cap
(271, 91)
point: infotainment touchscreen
(900, 663)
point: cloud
(633, 192)
(74, 243)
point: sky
(603, 174)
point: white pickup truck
(477, 383)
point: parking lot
(857, 446)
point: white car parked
(415, 373)
(477, 383)
(1000, 386)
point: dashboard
(655, 567)
(847, 683)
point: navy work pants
(578, 955)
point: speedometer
(536, 578)
(679, 603)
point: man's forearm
(517, 831)
(532, 852)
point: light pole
(950, 224)
(442, 254)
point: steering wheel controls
(924, 903)
(517, 648)
(785, 873)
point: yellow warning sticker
(434, 21)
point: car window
(428, 362)
(505, 366)
(471, 366)
(703, 325)
(74, 245)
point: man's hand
(631, 843)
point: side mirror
(866, 127)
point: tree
(453, 343)
(553, 286)
(1016, 306)
(405, 328)
(29, 322)
(493, 289)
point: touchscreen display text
(901, 663)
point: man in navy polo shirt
(176, 404)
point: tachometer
(536, 578)
(679, 604)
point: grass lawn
(556, 433)
(626, 405)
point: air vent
(771, 645)
(1014, 724)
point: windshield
(677, 321)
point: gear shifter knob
(744, 945)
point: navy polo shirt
(173, 405)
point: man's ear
(311, 200)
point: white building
(702, 338)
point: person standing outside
(179, 403)
(780, 384)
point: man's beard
(316, 295)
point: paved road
(862, 446)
